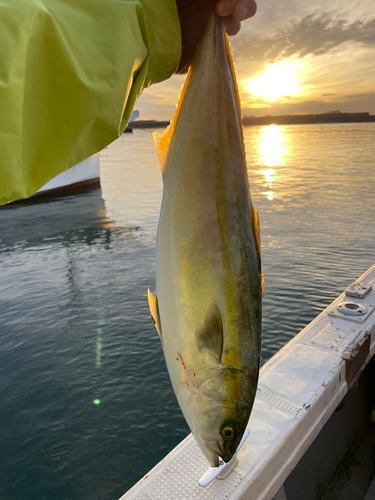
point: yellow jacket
(70, 74)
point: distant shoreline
(149, 124)
(278, 120)
(305, 119)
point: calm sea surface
(74, 319)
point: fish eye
(227, 433)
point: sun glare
(272, 148)
(277, 81)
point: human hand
(194, 15)
(233, 12)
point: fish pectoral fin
(209, 338)
(154, 310)
(262, 282)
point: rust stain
(181, 359)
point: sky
(294, 57)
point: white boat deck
(299, 389)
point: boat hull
(84, 174)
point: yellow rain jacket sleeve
(70, 74)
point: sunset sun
(275, 82)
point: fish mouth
(215, 451)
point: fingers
(244, 9)
(231, 27)
(238, 9)
(235, 11)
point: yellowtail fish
(207, 306)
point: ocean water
(86, 405)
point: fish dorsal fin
(162, 141)
(154, 309)
(209, 338)
(254, 213)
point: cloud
(334, 42)
(312, 35)
(159, 101)
(367, 95)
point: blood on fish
(181, 359)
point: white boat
(129, 128)
(84, 174)
(311, 422)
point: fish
(207, 307)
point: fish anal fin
(256, 226)
(262, 282)
(162, 141)
(154, 310)
(209, 337)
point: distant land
(148, 124)
(331, 117)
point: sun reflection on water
(271, 151)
